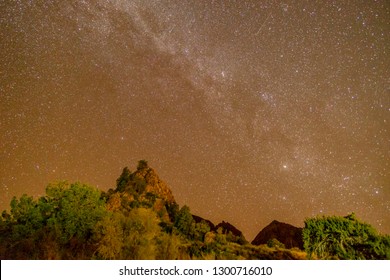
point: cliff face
(154, 184)
(142, 188)
(287, 234)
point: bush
(343, 238)
(274, 243)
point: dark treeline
(140, 219)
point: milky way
(250, 110)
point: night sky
(250, 110)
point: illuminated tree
(76, 208)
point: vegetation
(344, 238)
(139, 219)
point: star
(239, 107)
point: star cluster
(250, 110)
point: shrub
(343, 238)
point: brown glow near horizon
(250, 110)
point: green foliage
(168, 246)
(274, 243)
(148, 200)
(196, 250)
(343, 238)
(26, 214)
(241, 240)
(200, 230)
(37, 228)
(128, 182)
(108, 233)
(129, 236)
(124, 179)
(220, 237)
(75, 209)
(139, 231)
(184, 221)
(139, 185)
(172, 209)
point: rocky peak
(155, 185)
(144, 181)
(287, 234)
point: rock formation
(287, 234)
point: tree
(200, 230)
(142, 164)
(45, 227)
(139, 231)
(184, 221)
(26, 215)
(75, 209)
(168, 246)
(124, 179)
(108, 234)
(172, 209)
